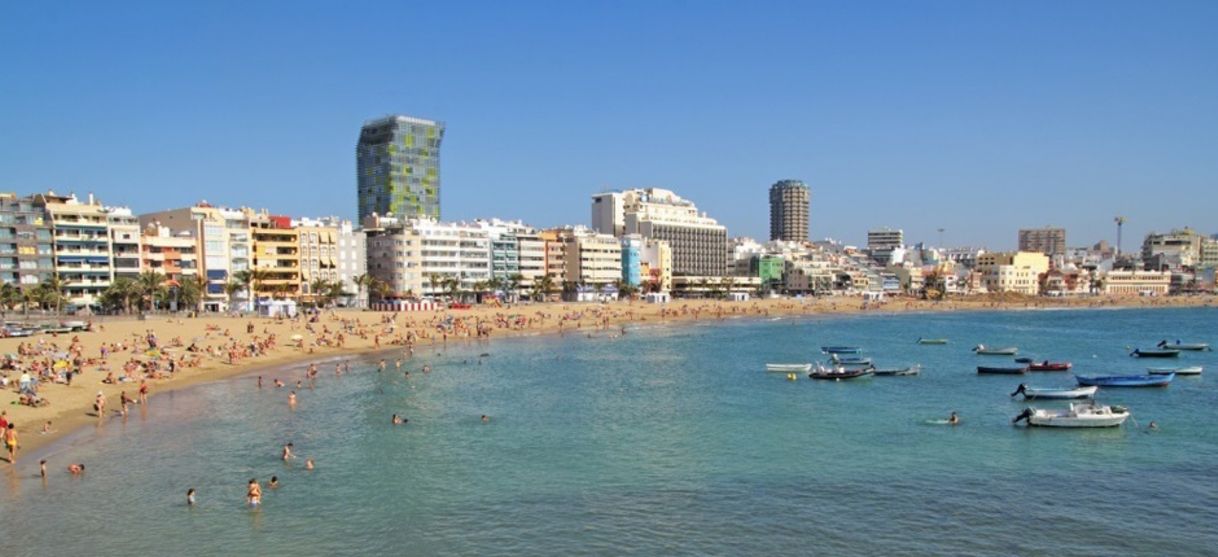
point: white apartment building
(698, 242)
(592, 258)
(408, 253)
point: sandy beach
(130, 351)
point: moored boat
(1049, 366)
(1002, 370)
(788, 368)
(1186, 370)
(1191, 346)
(932, 341)
(1067, 393)
(897, 372)
(1125, 380)
(849, 360)
(1079, 415)
(984, 350)
(841, 349)
(839, 373)
(1164, 353)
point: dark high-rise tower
(790, 202)
(397, 164)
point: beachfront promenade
(123, 356)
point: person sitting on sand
(953, 419)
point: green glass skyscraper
(398, 167)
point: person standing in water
(953, 419)
(253, 493)
(190, 497)
(287, 452)
(10, 441)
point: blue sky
(977, 117)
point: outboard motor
(1027, 413)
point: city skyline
(992, 140)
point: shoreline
(69, 420)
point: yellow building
(1012, 271)
(277, 254)
(318, 252)
(1137, 283)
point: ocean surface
(670, 440)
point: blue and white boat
(841, 349)
(1126, 380)
(849, 360)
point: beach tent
(277, 308)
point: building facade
(398, 167)
(1017, 272)
(698, 242)
(276, 255)
(790, 204)
(592, 259)
(26, 247)
(80, 233)
(1137, 283)
(1049, 241)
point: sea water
(668, 440)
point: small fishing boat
(1049, 366)
(788, 368)
(849, 360)
(841, 349)
(1125, 380)
(839, 373)
(1079, 415)
(1032, 393)
(1002, 370)
(1187, 370)
(984, 350)
(1164, 353)
(1024, 360)
(932, 341)
(1191, 346)
(897, 372)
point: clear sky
(978, 117)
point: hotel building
(790, 202)
(698, 242)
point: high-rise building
(421, 256)
(698, 242)
(26, 251)
(1049, 241)
(81, 235)
(789, 207)
(398, 167)
(225, 247)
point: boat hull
(987, 370)
(1190, 370)
(1071, 422)
(788, 368)
(1155, 353)
(841, 349)
(997, 351)
(839, 375)
(1059, 394)
(933, 341)
(1051, 366)
(898, 372)
(1126, 380)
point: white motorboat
(1031, 393)
(789, 368)
(1080, 414)
(1187, 370)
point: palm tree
(121, 292)
(231, 288)
(51, 292)
(10, 296)
(190, 293)
(320, 291)
(513, 284)
(380, 289)
(542, 287)
(435, 280)
(151, 286)
(453, 286)
(362, 282)
(252, 279)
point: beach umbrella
(61, 364)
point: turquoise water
(670, 440)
